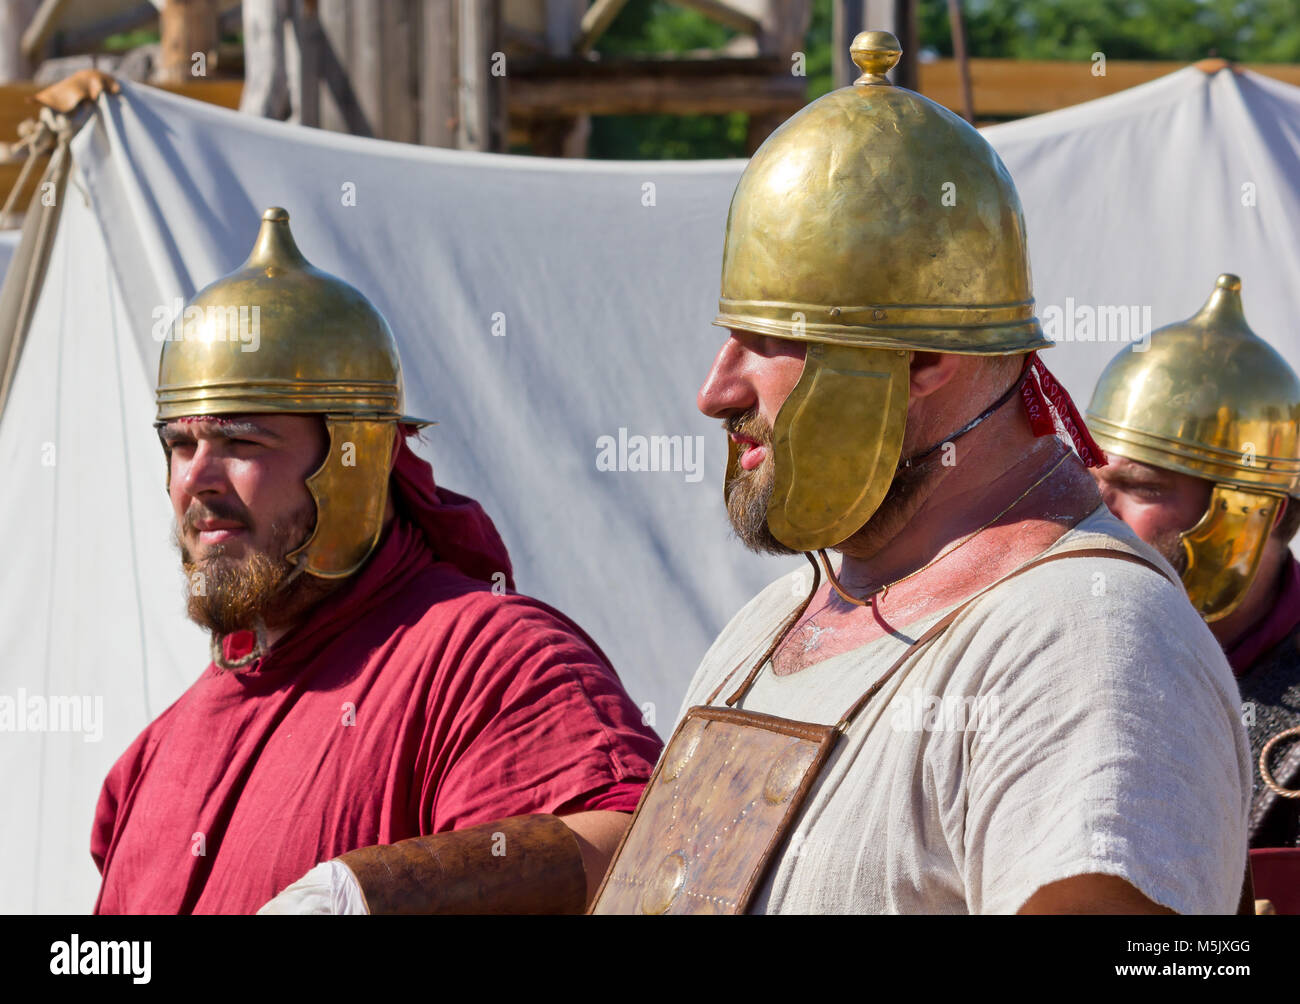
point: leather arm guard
(521, 865)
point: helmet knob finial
(1223, 311)
(875, 53)
(275, 249)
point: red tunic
(414, 701)
(1280, 622)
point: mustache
(750, 425)
(215, 509)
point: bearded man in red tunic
(385, 726)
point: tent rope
(38, 137)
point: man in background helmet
(380, 702)
(1203, 434)
(1067, 742)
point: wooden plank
(847, 19)
(600, 15)
(225, 93)
(908, 34)
(570, 30)
(365, 67)
(482, 108)
(16, 17)
(439, 103)
(957, 22)
(783, 27)
(399, 82)
(40, 27)
(1016, 87)
(784, 23)
(654, 87)
(268, 61)
(302, 50)
(336, 33)
(187, 27)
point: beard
(749, 493)
(1170, 547)
(226, 594)
(749, 496)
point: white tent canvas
(8, 242)
(540, 306)
(1140, 200)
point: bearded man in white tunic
(997, 699)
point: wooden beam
(266, 90)
(303, 42)
(596, 21)
(655, 87)
(439, 93)
(482, 110)
(1010, 88)
(847, 19)
(513, 35)
(572, 29)
(42, 26)
(15, 18)
(343, 113)
(188, 27)
(363, 64)
(783, 27)
(962, 58)
(905, 74)
(400, 79)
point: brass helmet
(871, 223)
(1210, 398)
(278, 336)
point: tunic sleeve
(112, 796)
(1116, 745)
(538, 722)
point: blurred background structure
(622, 79)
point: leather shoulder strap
(941, 625)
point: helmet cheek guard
(1224, 549)
(351, 492)
(827, 487)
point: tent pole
(26, 274)
(958, 24)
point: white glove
(329, 888)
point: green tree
(654, 27)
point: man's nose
(203, 472)
(727, 389)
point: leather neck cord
(1007, 396)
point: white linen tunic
(1077, 719)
